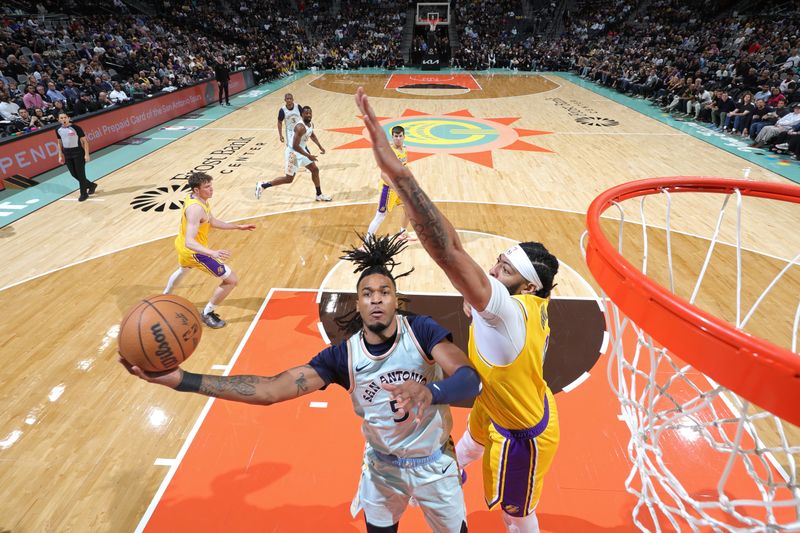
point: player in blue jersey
(393, 366)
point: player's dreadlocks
(375, 256)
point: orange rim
(754, 368)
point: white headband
(517, 257)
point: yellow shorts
(514, 462)
(205, 263)
(388, 200)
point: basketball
(160, 332)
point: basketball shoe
(213, 320)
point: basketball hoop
(432, 23)
(679, 370)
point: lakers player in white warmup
(297, 155)
(393, 366)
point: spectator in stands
(71, 92)
(54, 94)
(13, 67)
(776, 96)
(8, 110)
(86, 104)
(763, 93)
(42, 119)
(783, 125)
(720, 108)
(769, 118)
(57, 109)
(736, 120)
(118, 96)
(32, 99)
(103, 101)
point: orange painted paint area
(293, 468)
(464, 81)
(286, 468)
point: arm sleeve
(500, 328)
(462, 386)
(428, 332)
(281, 114)
(331, 365)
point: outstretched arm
(435, 232)
(259, 390)
(221, 224)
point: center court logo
(458, 134)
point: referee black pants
(223, 86)
(77, 167)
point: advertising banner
(35, 153)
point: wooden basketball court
(86, 447)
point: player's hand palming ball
(160, 332)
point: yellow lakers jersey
(401, 153)
(513, 394)
(202, 232)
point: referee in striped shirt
(73, 147)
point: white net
(703, 458)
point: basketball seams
(192, 311)
(141, 341)
(159, 323)
(169, 325)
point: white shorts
(294, 160)
(385, 489)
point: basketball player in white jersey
(513, 426)
(289, 113)
(297, 155)
(388, 359)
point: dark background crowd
(711, 61)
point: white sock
(402, 229)
(175, 278)
(209, 308)
(467, 450)
(376, 222)
(521, 524)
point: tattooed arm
(435, 232)
(260, 390)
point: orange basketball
(160, 332)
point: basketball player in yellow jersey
(192, 245)
(388, 198)
(514, 421)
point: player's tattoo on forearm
(222, 385)
(428, 220)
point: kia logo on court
(161, 198)
(597, 121)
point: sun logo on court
(459, 134)
(168, 197)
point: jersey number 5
(393, 405)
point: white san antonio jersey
(387, 428)
(290, 118)
(303, 139)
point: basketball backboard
(427, 11)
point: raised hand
(384, 155)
